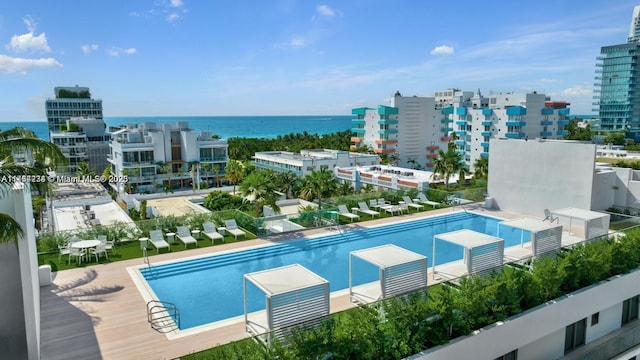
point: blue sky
(294, 57)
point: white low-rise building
(306, 161)
(150, 156)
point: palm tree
(481, 168)
(206, 167)
(216, 170)
(23, 140)
(286, 182)
(84, 170)
(447, 164)
(181, 173)
(317, 185)
(235, 172)
(345, 188)
(261, 187)
(193, 168)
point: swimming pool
(210, 289)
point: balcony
(484, 154)
(387, 131)
(214, 159)
(547, 111)
(461, 133)
(459, 142)
(514, 135)
(446, 139)
(564, 111)
(387, 110)
(546, 133)
(546, 122)
(355, 139)
(516, 110)
(446, 129)
(516, 123)
(357, 130)
(445, 121)
(487, 111)
(447, 110)
(386, 142)
(384, 151)
(486, 133)
(487, 123)
(388, 122)
(432, 156)
(461, 111)
(484, 144)
(563, 122)
(358, 121)
(563, 132)
(433, 148)
(461, 122)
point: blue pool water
(210, 289)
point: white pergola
(545, 237)
(596, 224)
(293, 294)
(482, 252)
(401, 271)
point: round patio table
(85, 244)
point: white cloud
(172, 17)
(30, 23)
(88, 49)
(116, 51)
(325, 10)
(29, 42)
(297, 41)
(576, 90)
(442, 50)
(11, 65)
(547, 80)
(176, 3)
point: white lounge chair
(157, 239)
(373, 203)
(342, 210)
(233, 228)
(184, 235)
(211, 232)
(550, 217)
(365, 209)
(410, 203)
(422, 198)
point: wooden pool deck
(98, 312)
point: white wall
(527, 177)
(604, 192)
(20, 314)
(540, 324)
(609, 320)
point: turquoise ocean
(224, 126)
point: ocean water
(224, 126)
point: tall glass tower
(617, 83)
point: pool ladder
(163, 316)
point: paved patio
(97, 312)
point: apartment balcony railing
(485, 133)
(433, 147)
(446, 129)
(355, 139)
(546, 122)
(546, 133)
(387, 131)
(445, 121)
(461, 122)
(388, 122)
(358, 130)
(516, 123)
(563, 132)
(563, 122)
(386, 141)
(214, 159)
(487, 123)
(484, 144)
(514, 135)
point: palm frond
(10, 230)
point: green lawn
(129, 250)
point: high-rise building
(617, 83)
(77, 127)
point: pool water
(210, 289)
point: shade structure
(595, 224)
(400, 271)
(293, 294)
(482, 252)
(545, 237)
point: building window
(575, 335)
(630, 309)
(595, 319)
(512, 355)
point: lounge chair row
(382, 204)
(185, 235)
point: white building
(385, 177)
(311, 160)
(71, 101)
(413, 129)
(82, 140)
(138, 154)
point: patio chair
(98, 250)
(63, 249)
(184, 235)
(422, 198)
(157, 239)
(342, 210)
(550, 217)
(365, 209)
(77, 253)
(373, 203)
(102, 238)
(211, 232)
(410, 203)
(233, 228)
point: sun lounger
(550, 217)
(184, 235)
(211, 232)
(422, 198)
(232, 227)
(157, 239)
(342, 210)
(365, 209)
(410, 203)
